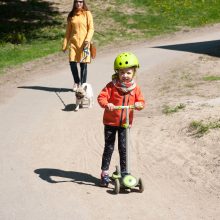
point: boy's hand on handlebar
(138, 105)
(110, 106)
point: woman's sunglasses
(78, 1)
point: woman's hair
(74, 9)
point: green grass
(154, 17)
(16, 54)
(211, 78)
(38, 27)
(170, 110)
(199, 128)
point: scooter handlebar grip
(123, 107)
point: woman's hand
(110, 106)
(86, 44)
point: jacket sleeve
(90, 27)
(67, 35)
(104, 96)
(139, 96)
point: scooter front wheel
(117, 186)
(116, 174)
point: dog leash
(86, 53)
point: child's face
(126, 74)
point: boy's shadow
(47, 174)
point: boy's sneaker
(105, 180)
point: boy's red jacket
(110, 94)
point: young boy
(122, 90)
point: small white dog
(84, 95)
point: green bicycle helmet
(126, 60)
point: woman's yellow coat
(79, 29)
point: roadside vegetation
(199, 128)
(29, 30)
(35, 28)
(172, 109)
(211, 78)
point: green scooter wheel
(141, 185)
(116, 174)
(129, 181)
(117, 186)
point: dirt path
(51, 155)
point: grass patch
(169, 110)
(211, 78)
(199, 128)
(12, 55)
(164, 16)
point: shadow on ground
(211, 48)
(47, 89)
(26, 17)
(49, 175)
(67, 107)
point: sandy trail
(51, 155)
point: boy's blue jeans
(110, 134)
(83, 72)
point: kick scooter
(128, 181)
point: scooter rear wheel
(141, 185)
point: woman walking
(79, 32)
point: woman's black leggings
(110, 133)
(83, 72)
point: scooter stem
(127, 127)
(127, 141)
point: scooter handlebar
(124, 107)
